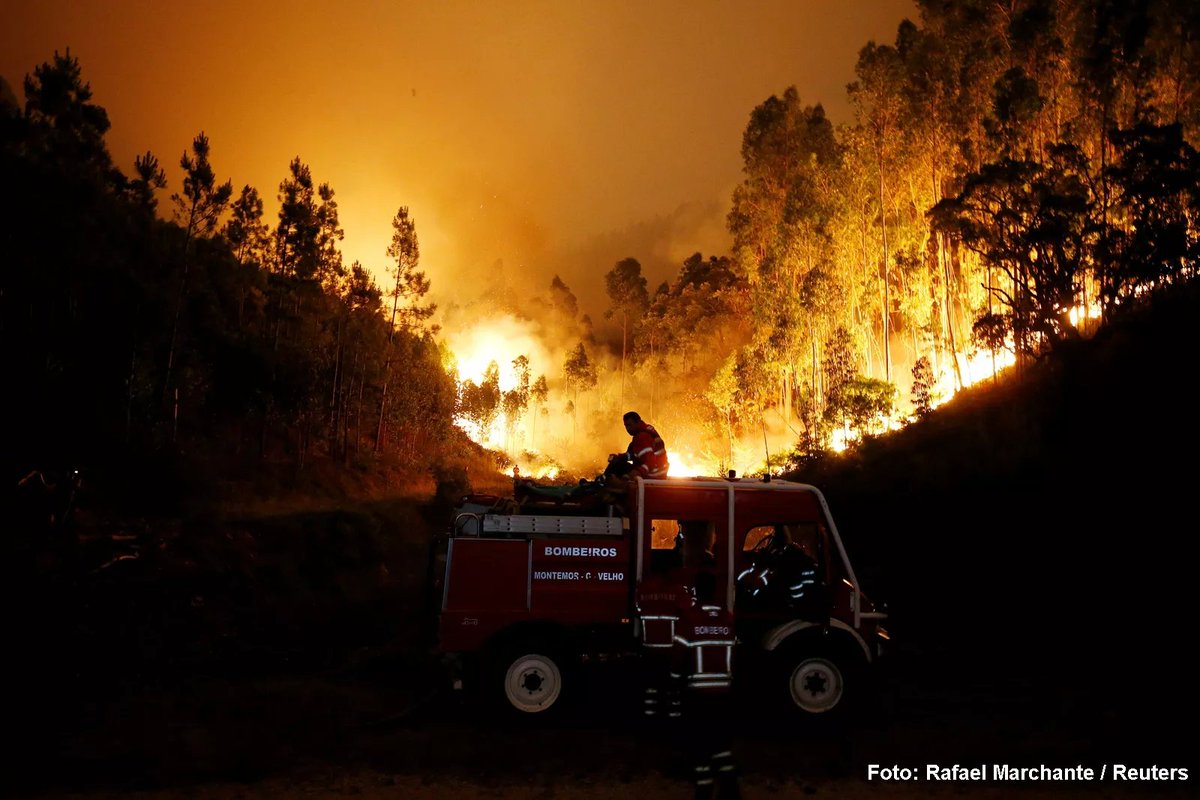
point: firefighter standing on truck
(702, 671)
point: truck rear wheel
(532, 679)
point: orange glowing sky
(551, 136)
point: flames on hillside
(544, 438)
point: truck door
(684, 528)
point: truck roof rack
(546, 523)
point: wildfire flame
(975, 367)
(497, 341)
(500, 340)
(685, 465)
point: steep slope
(1037, 533)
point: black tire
(531, 679)
(819, 679)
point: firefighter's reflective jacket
(702, 655)
(648, 452)
(660, 602)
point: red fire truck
(536, 583)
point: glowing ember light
(747, 459)
(978, 366)
(492, 437)
(538, 470)
(1080, 313)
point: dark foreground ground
(334, 693)
(384, 726)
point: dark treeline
(136, 335)
(1015, 173)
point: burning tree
(579, 373)
(627, 291)
(480, 402)
(515, 401)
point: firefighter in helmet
(702, 671)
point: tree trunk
(653, 382)
(382, 406)
(729, 435)
(345, 432)
(863, 227)
(262, 433)
(387, 367)
(887, 352)
(179, 298)
(301, 442)
(815, 377)
(333, 392)
(624, 326)
(129, 394)
(362, 379)
(958, 378)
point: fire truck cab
(532, 587)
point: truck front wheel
(816, 683)
(533, 679)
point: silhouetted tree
(411, 286)
(246, 231)
(1155, 179)
(922, 386)
(68, 127)
(149, 178)
(197, 209)
(1033, 223)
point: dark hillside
(240, 574)
(1036, 535)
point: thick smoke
(546, 308)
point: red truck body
(531, 588)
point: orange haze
(551, 136)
